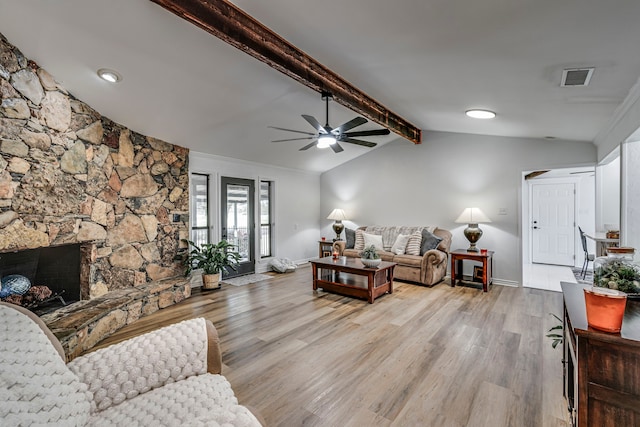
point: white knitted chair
(168, 377)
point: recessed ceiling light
(480, 114)
(109, 75)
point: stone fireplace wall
(70, 175)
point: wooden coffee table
(348, 276)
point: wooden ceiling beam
(534, 174)
(232, 25)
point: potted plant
(617, 271)
(369, 257)
(556, 332)
(615, 278)
(212, 259)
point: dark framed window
(266, 219)
(200, 229)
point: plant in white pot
(212, 259)
(369, 257)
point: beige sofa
(168, 377)
(427, 269)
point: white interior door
(553, 223)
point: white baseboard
(501, 282)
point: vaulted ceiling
(426, 60)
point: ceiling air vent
(576, 76)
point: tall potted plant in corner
(212, 259)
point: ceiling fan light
(324, 141)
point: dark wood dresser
(601, 370)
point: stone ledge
(81, 325)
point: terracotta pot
(211, 281)
(605, 308)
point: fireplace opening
(57, 267)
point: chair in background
(587, 256)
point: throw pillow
(359, 244)
(400, 244)
(351, 238)
(413, 245)
(373, 239)
(429, 241)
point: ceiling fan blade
(360, 142)
(315, 123)
(375, 132)
(306, 147)
(336, 147)
(292, 139)
(291, 130)
(350, 125)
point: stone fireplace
(63, 269)
(72, 178)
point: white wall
(296, 202)
(622, 125)
(608, 192)
(430, 184)
(586, 215)
(630, 230)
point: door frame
(247, 267)
(525, 211)
(553, 181)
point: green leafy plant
(211, 258)
(618, 275)
(370, 252)
(556, 337)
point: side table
(325, 248)
(460, 255)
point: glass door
(237, 221)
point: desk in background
(602, 242)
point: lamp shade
(337, 215)
(472, 216)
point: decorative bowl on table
(371, 263)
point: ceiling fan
(326, 136)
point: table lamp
(472, 217)
(337, 215)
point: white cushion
(36, 387)
(359, 244)
(124, 370)
(373, 239)
(198, 400)
(414, 243)
(400, 244)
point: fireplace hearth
(55, 267)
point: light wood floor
(437, 356)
